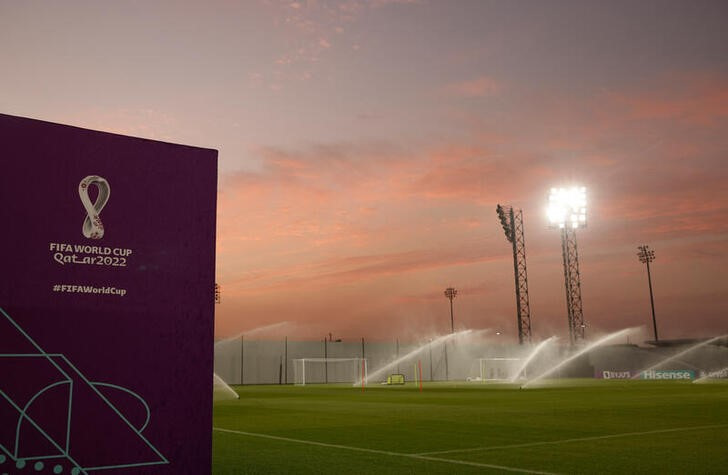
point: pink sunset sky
(364, 145)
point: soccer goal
(329, 370)
(500, 369)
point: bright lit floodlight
(567, 207)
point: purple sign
(107, 261)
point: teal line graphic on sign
(54, 410)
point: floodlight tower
(647, 255)
(451, 293)
(567, 212)
(512, 222)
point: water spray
(579, 353)
(678, 355)
(218, 383)
(530, 357)
(721, 373)
(437, 341)
(254, 331)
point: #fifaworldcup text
(88, 289)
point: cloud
(700, 100)
(313, 29)
(651, 154)
(479, 174)
(139, 122)
(338, 214)
(361, 228)
(483, 86)
(349, 269)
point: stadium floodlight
(647, 255)
(567, 212)
(503, 216)
(512, 222)
(567, 207)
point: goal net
(500, 369)
(329, 370)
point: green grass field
(586, 427)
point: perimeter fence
(268, 361)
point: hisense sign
(668, 374)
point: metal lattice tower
(567, 212)
(572, 279)
(512, 222)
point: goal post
(329, 370)
(500, 369)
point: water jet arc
(530, 357)
(437, 341)
(678, 355)
(221, 386)
(579, 353)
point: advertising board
(648, 374)
(607, 374)
(668, 374)
(107, 255)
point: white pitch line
(579, 439)
(381, 452)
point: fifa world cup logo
(93, 228)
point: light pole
(647, 255)
(326, 362)
(430, 346)
(567, 212)
(512, 222)
(242, 359)
(451, 293)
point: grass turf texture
(584, 426)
